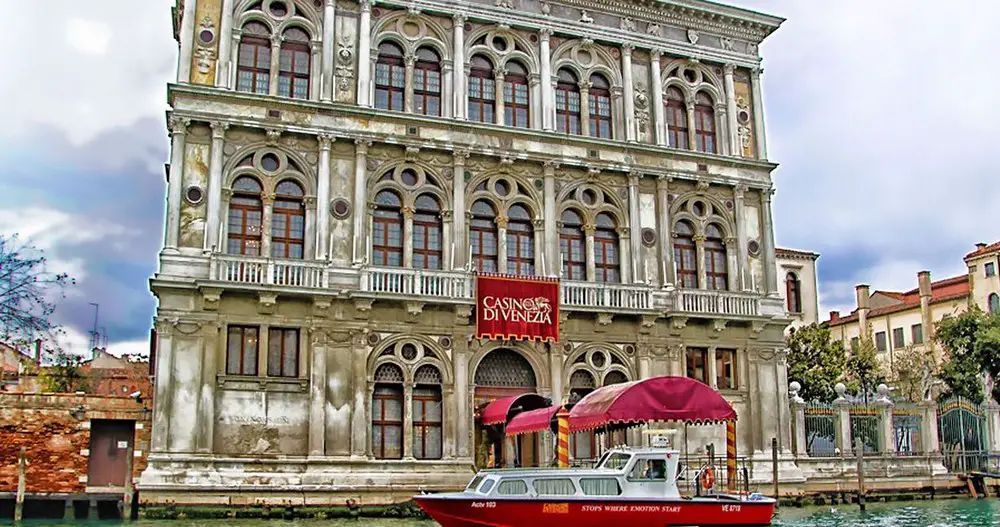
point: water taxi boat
(636, 487)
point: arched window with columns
(390, 77)
(793, 293)
(583, 444)
(599, 100)
(573, 246)
(427, 413)
(483, 235)
(677, 121)
(568, 102)
(253, 70)
(387, 230)
(387, 412)
(607, 266)
(427, 82)
(482, 90)
(685, 255)
(427, 230)
(520, 242)
(704, 123)
(246, 215)
(715, 259)
(516, 95)
(288, 221)
(294, 64)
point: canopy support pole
(731, 455)
(562, 448)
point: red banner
(517, 308)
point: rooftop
(953, 288)
(983, 249)
(795, 253)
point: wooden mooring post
(128, 500)
(22, 468)
(859, 447)
(774, 470)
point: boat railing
(692, 474)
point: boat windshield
(475, 483)
(615, 461)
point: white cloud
(87, 37)
(78, 342)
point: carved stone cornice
(325, 141)
(219, 129)
(178, 125)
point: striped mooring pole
(731, 455)
(562, 447)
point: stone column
(732, 269)
(459, 239)
(556, 373)
(227, 199)
(359, 411)
(460, 364)
(699, 248)
(458, 53)
(323, 197)
(625, 255)
(553, 264)
(659, 123)
(629, 94)
(735, 148)
(548, 102)
(214, 336)
(360, 208)
(224, 63)
(265, 228)
(885, 430)
(175, 185)
(365, 94)
(408, 421)
(275, 63)
(501, 222)
(712, 368)
(668, 271)
(316, 64)
(329, 38)
(843, 407)
(535, 106)
(447, 246)
(618, 108)
(721, 129)
(635, 247)
(692, 134)
(447, 89)
(992, 411)
(187, 41)
(408, 213)
(317, 393)
(741, 237)
(585, 86)
(770, 269)
(758, 114)
(234, 58)
(309, 249)
(498, 108)
(929, 429)
(214, 190)
(588, 231)
(160, 440)
(411, 64)
(798, 405)
(539, 225)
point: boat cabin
(620, 472)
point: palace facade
(339, 172)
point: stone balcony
(458, 287)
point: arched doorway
(503, 373)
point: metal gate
(961, 431)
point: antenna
(94, 335)
(103, 339)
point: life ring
(707, 478)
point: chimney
(38, 352)
(834, 316)
(980, 246)
(863, 294)
(926, 318)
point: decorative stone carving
(677, 324)
(206, 56)
(506, 4)
(654, 29)
(273, 135)
(604, 319)
(210, 298)
(412, 153)
(463, 312)
(627, 24)
(362, 307)
(692, 36)
(727, 43)
(585, 17)
(546, 9)
(345, 63)
(641, 107)
(266, 303)
(751, 48)
(718, 326)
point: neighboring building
(15, 365)
(111, 375)
(797, 270)
(340, 170)
(983, 265)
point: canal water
(948, 513)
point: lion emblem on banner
(538, 304)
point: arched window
(573, 246)
(483, 237)
(246, 212)
(288, 221)
(520, 242)
(685, 258)
(427, 233)
(994, 303)
(583, 444)
(516, 101)
(387, 230)
(387, 413)
(253, 71)
(599, 101)
(793, 293)
(482, 91)
(715, 259)
(427, 83)
(704, 123)
(606, 265)
(293, 66)
(568, 103)
(677, 120)
(614, 377)
(390, 77)
(427, 415)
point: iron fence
(865, 422)
(962, 435)
(906, 430)
(821, 430)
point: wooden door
(109, 445)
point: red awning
(657, 399)
(532, 421)
(501, 410)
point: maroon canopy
(657, 399)
(531, 421)
(500, 410)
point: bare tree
(28, 293)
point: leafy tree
(815, 361)
(864, 370)
(64, 375)
(913, 374)
(27, 290)
(971, 341)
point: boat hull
(452, 511)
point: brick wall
(57, 443)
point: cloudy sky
(881, 113)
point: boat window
(616, 461)
(600, 486)
(487, 485)
(650, 469)
(555, 487)
(475, 483)
(512, 487)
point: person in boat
(655, 469)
